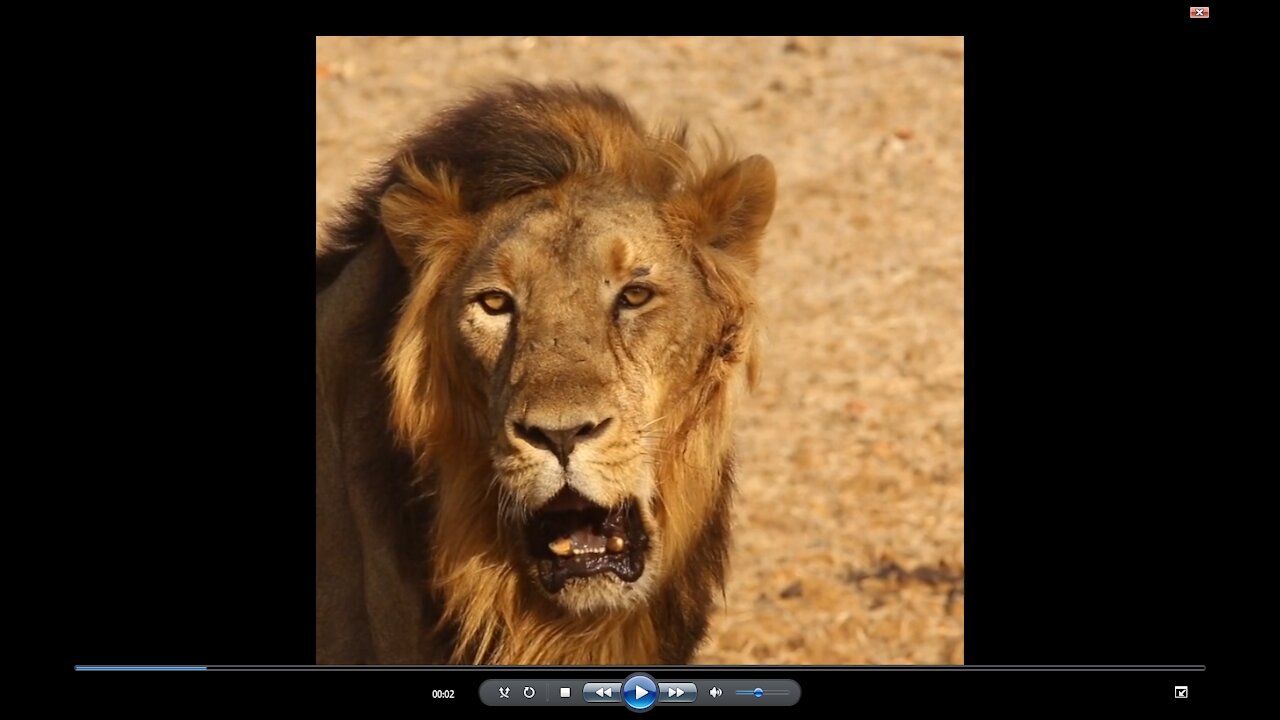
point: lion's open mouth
(572, 537)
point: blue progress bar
(141, 667)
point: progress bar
(141, 667)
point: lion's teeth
(566, 546)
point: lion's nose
(560, 442)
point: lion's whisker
(651, 422)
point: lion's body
(431, 454)
(370, 567)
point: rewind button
(677, 692)
(602, 692)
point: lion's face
(564, 366)
(583, 316)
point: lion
(533, 325)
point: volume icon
(716, 692)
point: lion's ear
(420, 213)
(729, 208)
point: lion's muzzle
(560, 442)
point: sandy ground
(849, 522)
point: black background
(1089, 137)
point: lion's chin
(603, 593)
(585, 555)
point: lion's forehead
(556, 233)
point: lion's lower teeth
(566, 546)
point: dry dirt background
(849, 520)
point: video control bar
(638, 691)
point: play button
(639, 691)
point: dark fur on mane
(500, 143)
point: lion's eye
(496, 303)
(634, 296)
